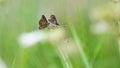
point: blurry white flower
(31, 38)
(2, 64)
(99, 27)
(56, 35)
(68, 46)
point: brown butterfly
(53, 20)
(43, 23)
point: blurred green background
(75, 16)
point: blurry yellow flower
(110, 12)
(1, 1)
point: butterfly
(53, 20)
(43, 23)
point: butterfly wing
(53, 20)
(43, 23)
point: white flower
(56, 35)
(69, 47)
(31, 38)
(99, 27)
(53, 36)
(2, 64)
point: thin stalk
(13, 62)
(65, 59)
(116, 21)
(79, 44)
